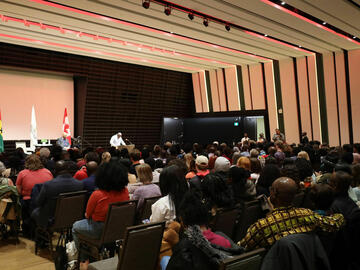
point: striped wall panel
(288, 89)
(271, 96)
(232, 89)
(257, 87)
(354, 81)
(342, 98)
(331, 99)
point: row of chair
(235, 221)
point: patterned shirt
(283, 221)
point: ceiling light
(167, 10)
(146, 4)
(266, 35)
(227, 27)
(191, 16)
(354, 37)
(206, 22)
(299, 46)
(324, 23)
(283, 3)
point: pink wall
(270, 94)
(246, 84)
(342, 99)
(49, 94)
(232, 89)
(288, 90)
(257, 87)
(315, 114)
(354, 77)
(304, 96)
(331, 104)
(197, 94)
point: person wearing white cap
(201, 164)
(117, 140)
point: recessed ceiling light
(324, 23)
(354, 37)
(283, 3)
(266, 35)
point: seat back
(252, 211)
(141, 247)
(120, 215)
(70, 207)
(225, 221)
(145, 211)
(248, 261)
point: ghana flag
(1, 137)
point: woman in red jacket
(111, 179)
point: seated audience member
(285, 219)
(241, 189)
(201, 164)
(356, 180)
(245, 151)
(89, 183)
(216, 193)
(180, 163)
(322, 196)
(254, 153)
(43, 214)
(279, 154)
(127, 163)
(244, 162)
(148, 189)
(268, 175)
(306, 171)
(34, 173)
(221, 167)
(82, 173)
(255, 169)
(199, 248)
(4, 180)
(135, 156)
(46, 160)
(173, 187)
(345, 254)
(105, 157)
(235, 158)
(111, 179)
(304, 155)
(159, 165)
(356, 154)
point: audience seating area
(296, 213)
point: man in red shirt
(82, 173)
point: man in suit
(44, 213)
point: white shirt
(245, 139)
(115, 141)
(163, 210)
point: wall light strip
(98, 52)
(80, 34)
(320, 25)
(141, 27)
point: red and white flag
(66, 126)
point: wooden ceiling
(122, 30)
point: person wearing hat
(201, 164)
(4, 180)
(116, 140)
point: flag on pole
(1, 137)
(66, 126)
(33, 130)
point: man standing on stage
(117, 140)
(278, 136)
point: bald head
(91, 167)
(60, 167)
(283, 191)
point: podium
(129, 147)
